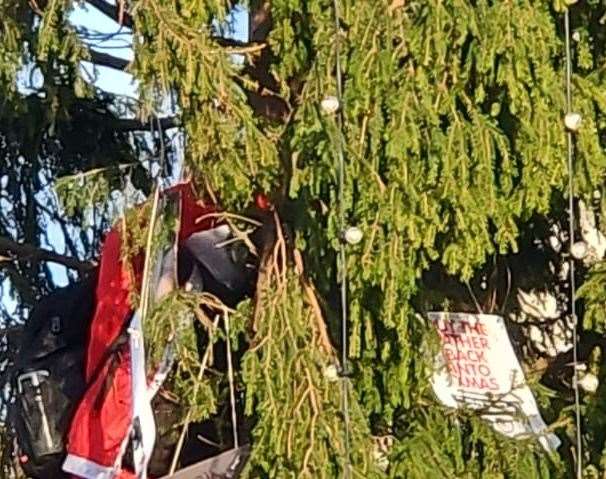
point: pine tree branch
(269, 106)
(20, 283)
(117, 63)
(133, 124)
(106, 60)
(588, 340)
(113, 12)
(266, 105)
(11, 250)
(263, 104)
(230, 42)
(137, 125)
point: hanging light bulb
(589, 382)
(331, 373)
(578, 250)
(353, 235)
(330, 104)
(573, 121)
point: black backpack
(48, 381)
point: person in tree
(446, 147)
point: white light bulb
(578, 250)
(353, 235)
(589, 382)
(330, 104)
(573, 121)
(331, 373)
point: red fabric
(112, 305)
(103, 417)
(192, 210)
(262, 201)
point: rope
(342, 248)
(571, 221)
(145, 282)
(187, 420)
(473, 297)
(163, 167)
(230, 374)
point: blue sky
(118, 82)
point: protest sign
(478, 369)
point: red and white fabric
(103, 420)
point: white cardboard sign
(478, 369)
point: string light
(330, 104)
(572, 121)
(353, 235)
(337, 107)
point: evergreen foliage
(455, 162)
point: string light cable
(572, 122)
(330, 104)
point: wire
(571, 221)
(473, 297)
(342, 249)
(230, 374)
(203, 365)
(145, 282)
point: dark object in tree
(49, 375)
(226, 465)
(49, 379)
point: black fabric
(230, 291)
(49, 377)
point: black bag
(49, 377)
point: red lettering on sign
(464, 347)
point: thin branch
(113, 12)
(268, 106)
(106, 60)
(20, 283)
(117, 63)
(137, 125)
(27, 252)
(66, 235)
(239, 46)
(262, 103)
